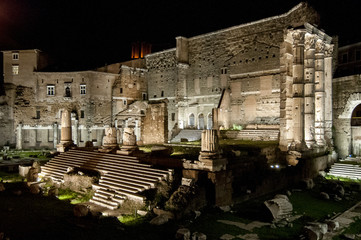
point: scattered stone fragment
(167, 214)
(225, 208)
(198, 236)
(142, 212)
(183, 234)
(307, 183)
(249, 236)
(159, 220)
(324, 195)
(53, 192)
(34, 189)
(349, 236)
(197, 214)
(340, 191)
(280, 207)
(332, 225)
(312, 233)
(227, 237)
(80, 210)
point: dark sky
(91, 33)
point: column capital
(329, 50)
(309, 41)
(298, 37)
(319, 46)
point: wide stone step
(130, 179)
(121, 192)
(103, 155)
(104, 167)
(345, 170)
(119, 187)
(139, 187)
(104, 203)
(74, 159)
(110, 158)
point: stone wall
(346, 97)
(155, 125)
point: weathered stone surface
(24, 170)
(167, 214)
(32, 175)
(332, 225)
(307, 183)
(80, 210)
(324, 196)
(53, 192)
(199, 236)
(159, 220)
(183, 234)
(34, 189)
(279, 207)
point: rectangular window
(50, 90)
(15, 56)
(82, 114)
(344, 58)
(144, 96)
(125, 102)
(37, 114)
(173, 116)
(82, 89)
(162, 94)
(121, 90)
(15, 69)
(358, 55)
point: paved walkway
(345, 219)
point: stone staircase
(191, 135)
(345, 170)
(122, 177)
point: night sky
(86, 34)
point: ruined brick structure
(274, 73)
(347, 101)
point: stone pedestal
(129, 143)
(109, 140)
(65, 139)
(209, 157)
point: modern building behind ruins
(271, 74)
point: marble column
(65, 136)
(319, 93)
(55, 134)
(328, 91)
(298, 87)
(19, 138)
(309, 116)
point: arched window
(191, 120)
(356, 116)
(209, 121)
(200, 121)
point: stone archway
(201, 121)
(344, 134)
(356, 131)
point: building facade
(275, 73)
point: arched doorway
(356, 130)
(200, 121)
(191, 120)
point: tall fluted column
(55, 134)
(328, 91)
(298, 87)
(19, 138)
(319, 93)
(309, 116)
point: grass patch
(10, 177)
(74, 197)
